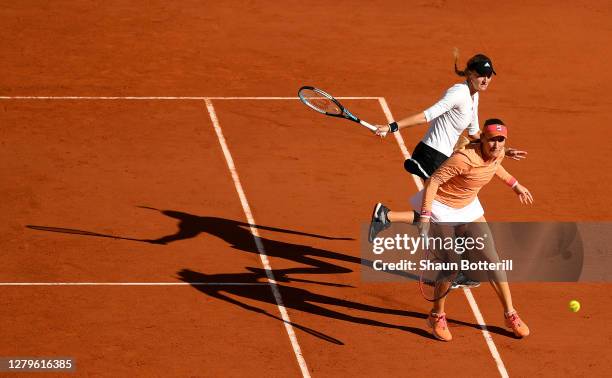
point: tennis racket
(325, 103)
(435, 282)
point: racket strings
(436, 282)
(320, 102)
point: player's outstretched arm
(413, 120)
(524, 194)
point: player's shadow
(301, 300)
(293, 298)
(238, 236)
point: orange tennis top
(457, 182)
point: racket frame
(345, 113)
(433, 297)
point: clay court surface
(139, 139)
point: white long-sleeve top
(448, 117)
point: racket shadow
(74, 231)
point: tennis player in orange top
(450, 197)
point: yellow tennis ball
(574, 305)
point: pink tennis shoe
(514, 322)
(439, 326)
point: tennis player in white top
(456, 111)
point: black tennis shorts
(424, 161)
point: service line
(199, 98)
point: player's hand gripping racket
(325, 103)
(438, 269)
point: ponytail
(456, 55)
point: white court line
(485, 333)
(133, 283)
(162, 98)
(246, 208)
(262, 252)
(468, 294)
(399, 139)
(100, 98)
(286, 98)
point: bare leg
(503, 292)
(437, 318)
(438, 305)
(401, 216)
(443, 285)
(501, 287)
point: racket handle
(368, 125)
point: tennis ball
(574, 305)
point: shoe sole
(376, 208)
(374, 219)
(517, 335)
(462, 286)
